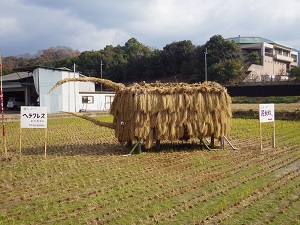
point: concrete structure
(276, 60)
(33, 84)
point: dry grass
(290, 107)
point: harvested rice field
(88, 178)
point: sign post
(33, 117)
(266, 114)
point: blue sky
(27, 26)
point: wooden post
(20, 150)
(157, 145)
(139, 148)
(260, 136)
(46, 138)
(266, 114)
(201, 143)
(222, 142)
(129, 144)
(212, 141)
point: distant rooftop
(16, 76)
(254, 40)
(250, 40)
(30, 69)
(25, 72)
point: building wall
(273, 67)
(86, 87)
(63, 98)
(45, 79)
(97, 101)
(70, 92)
(68, 96)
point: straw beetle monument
(148, 113)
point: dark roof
(32, 68)
(16, 76)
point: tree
(54, 56)
(224, 59)
(252, 58)
(136, 55)
(89, 63)
(295, 73)
(226, 70)
(135, 62)
(114, 63)
(135, 50)
(177, 55)
(131, 62)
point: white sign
(266, 113)
(33, 117)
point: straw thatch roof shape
(167, 111)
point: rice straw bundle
(167, 111)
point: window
(108, 101)
(268, 52)
(294, 57)
(88, 99)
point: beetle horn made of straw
(105, 82)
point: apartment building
(276, 60)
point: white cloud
(42, 27)
(8, 25)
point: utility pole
(101, 75)
(205, 53)
(75, 87)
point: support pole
(203, 144)
(136, 144)
(226, 139)
(2, 109)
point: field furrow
(87, 180)
(224, 186)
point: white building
(68, 97)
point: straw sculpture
(150, 112)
